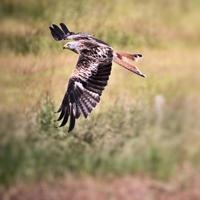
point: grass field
(142, 126)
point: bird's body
(91, 73)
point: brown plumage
(91, 73)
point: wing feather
(63, 33)
(84, 90)
(65, 118)
(64, 28)
(72, 118)
(61, 115)
(60, 33)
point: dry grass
(126, 188)
(33, 75)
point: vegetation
(149, 126)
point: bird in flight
(91, 73)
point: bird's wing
(60, 33)
(84, 89)
(63, 33)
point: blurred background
(141, 142)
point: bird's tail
(123, 59)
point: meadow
(141, 126)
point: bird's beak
(65, 46)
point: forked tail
(123, 59)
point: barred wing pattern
(84, 89)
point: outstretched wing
(84, 89)
(63, 33)
(60, 33)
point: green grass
(115, 141)
(148, 126)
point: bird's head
(72, 45)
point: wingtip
(139, 73)
(54, 25)
(59, 110)
(62, 24)
(60, 126)
(69, 130)
(143, 75)
(65, 28)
